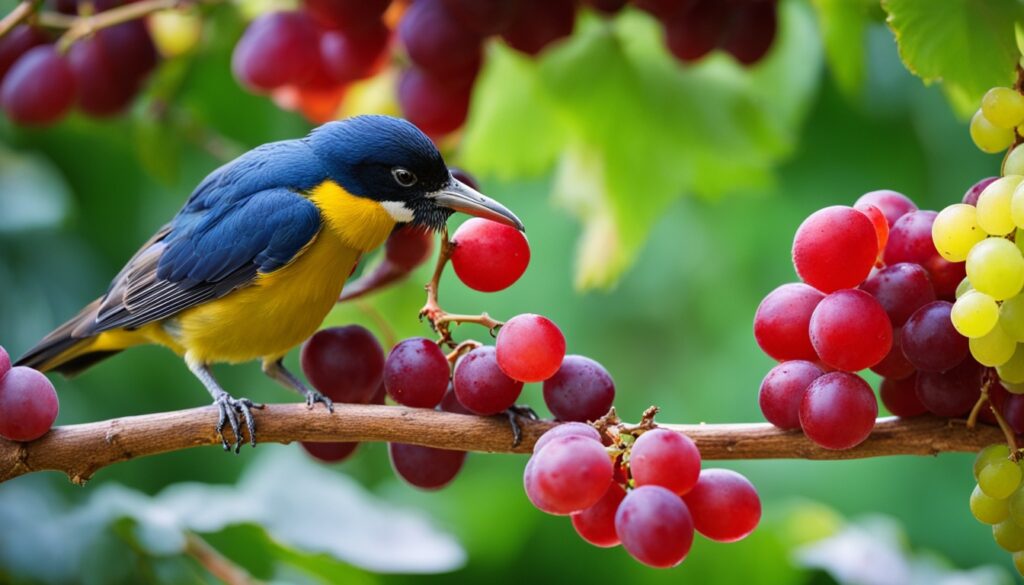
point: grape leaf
(969, 45)
(843, 25)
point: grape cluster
(877, 293)
(28, 402)
(307, 59)
(998, 499)
(647, 494)
(100, 74)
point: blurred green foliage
(774, 144)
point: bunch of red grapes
(100, 74)
(307, 58)
(648, 495)
(28, 402)
(876, 294)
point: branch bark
(80, 450)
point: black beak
(459, 196)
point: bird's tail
(71, 348)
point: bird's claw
(228, 410)
(514, 413)
(312, 397)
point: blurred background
(660, 196)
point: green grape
(994, 348)
(1003, 107)
(963, 287)
(1009, 535)
(987, 136)
(1018, 562)
(989, 510)
(999, 479)
(1013, 370)
(994, 206)
(988, 455)
(1013, 388)
(956, 230)
(975, 314)
(1018, 238)
(1015, 505)
(1014, 163)
(1011, 317)
(996, 268)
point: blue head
(392, 162)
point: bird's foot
(229, 410)
(312, 397)
(514, 413)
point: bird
(257, 256)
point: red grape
(425, 467)
(997, 397)
(835, 248)
(564, 430)
(28, 404)
(724, 505)
(901, 289)
(450, 403)
(945, 276)
(129, 48)
(489, 256)
(436, 42)
(751, 31)
(409, 246)
(655, 526)
(893, 204)
(39, 88)
(481, 386)
(596, 524)
(344, 363)
(910, 239)
(569, 474)
(416, 373)
(538, 23)
(850, 330)
(663, 9)
(101, 90)
(666, 458)
(330, 452)
(838, 410)
(16, 43)
(465, 178)
(349, 56)
(607, 7)
(879, 221)
(900, 397)
(346, 14)
(483, 17)
(530, 348)
(5, 362)
(278, 49)
(581, 390)
(782, 391)
(895, 364)
(692, 32)
(782, 321)
(436, 106)
(929, 340)
(951, 393)
(1013, 412)
(972, 194)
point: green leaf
(969, 45)
(35, 195)
(843, 25)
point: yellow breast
(281, 309)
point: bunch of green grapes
(998, 121)
(998, 499)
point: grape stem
(20, 13)
(972, 419)
(80, 450)
(440, 320)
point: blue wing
(245, 218)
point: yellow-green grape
(1013, 388)
(1014, 163)
(176, 32)
(1003, 107)
(1017, 207)
(988, 510)
(1013, 370)
(987, 136)
(996, 268)
(1009, 535)
(993, 452)
(1000, 478)
(1015, 505)
(975, 314)
(956, 230)
(1018, 562)
(964, 287)
(993, 349)
(1011, 317)
(994, 206)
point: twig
(217, 564)
(79, 27)
(22, 11)
(81, 450)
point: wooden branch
(81, 450)
(15, 17)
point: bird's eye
(403, 176)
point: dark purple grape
(438, 43)
(538, 23)
(972, 194)
(481, 386)
(330, 452)
(101, 90)
(348, 15)
(435, 105)
(692, 33)
(39, 88)
(483, 17)
(425, 467)
(344, 363)
(929, 340)
(901, 288)
(350, 56)
(751, 31)
(409, 246)
(900, 397)
(951, 393)
(16, 43)
(581, 390)
(895, 364)
(130, 51)
(416, 373)
(278, 49)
